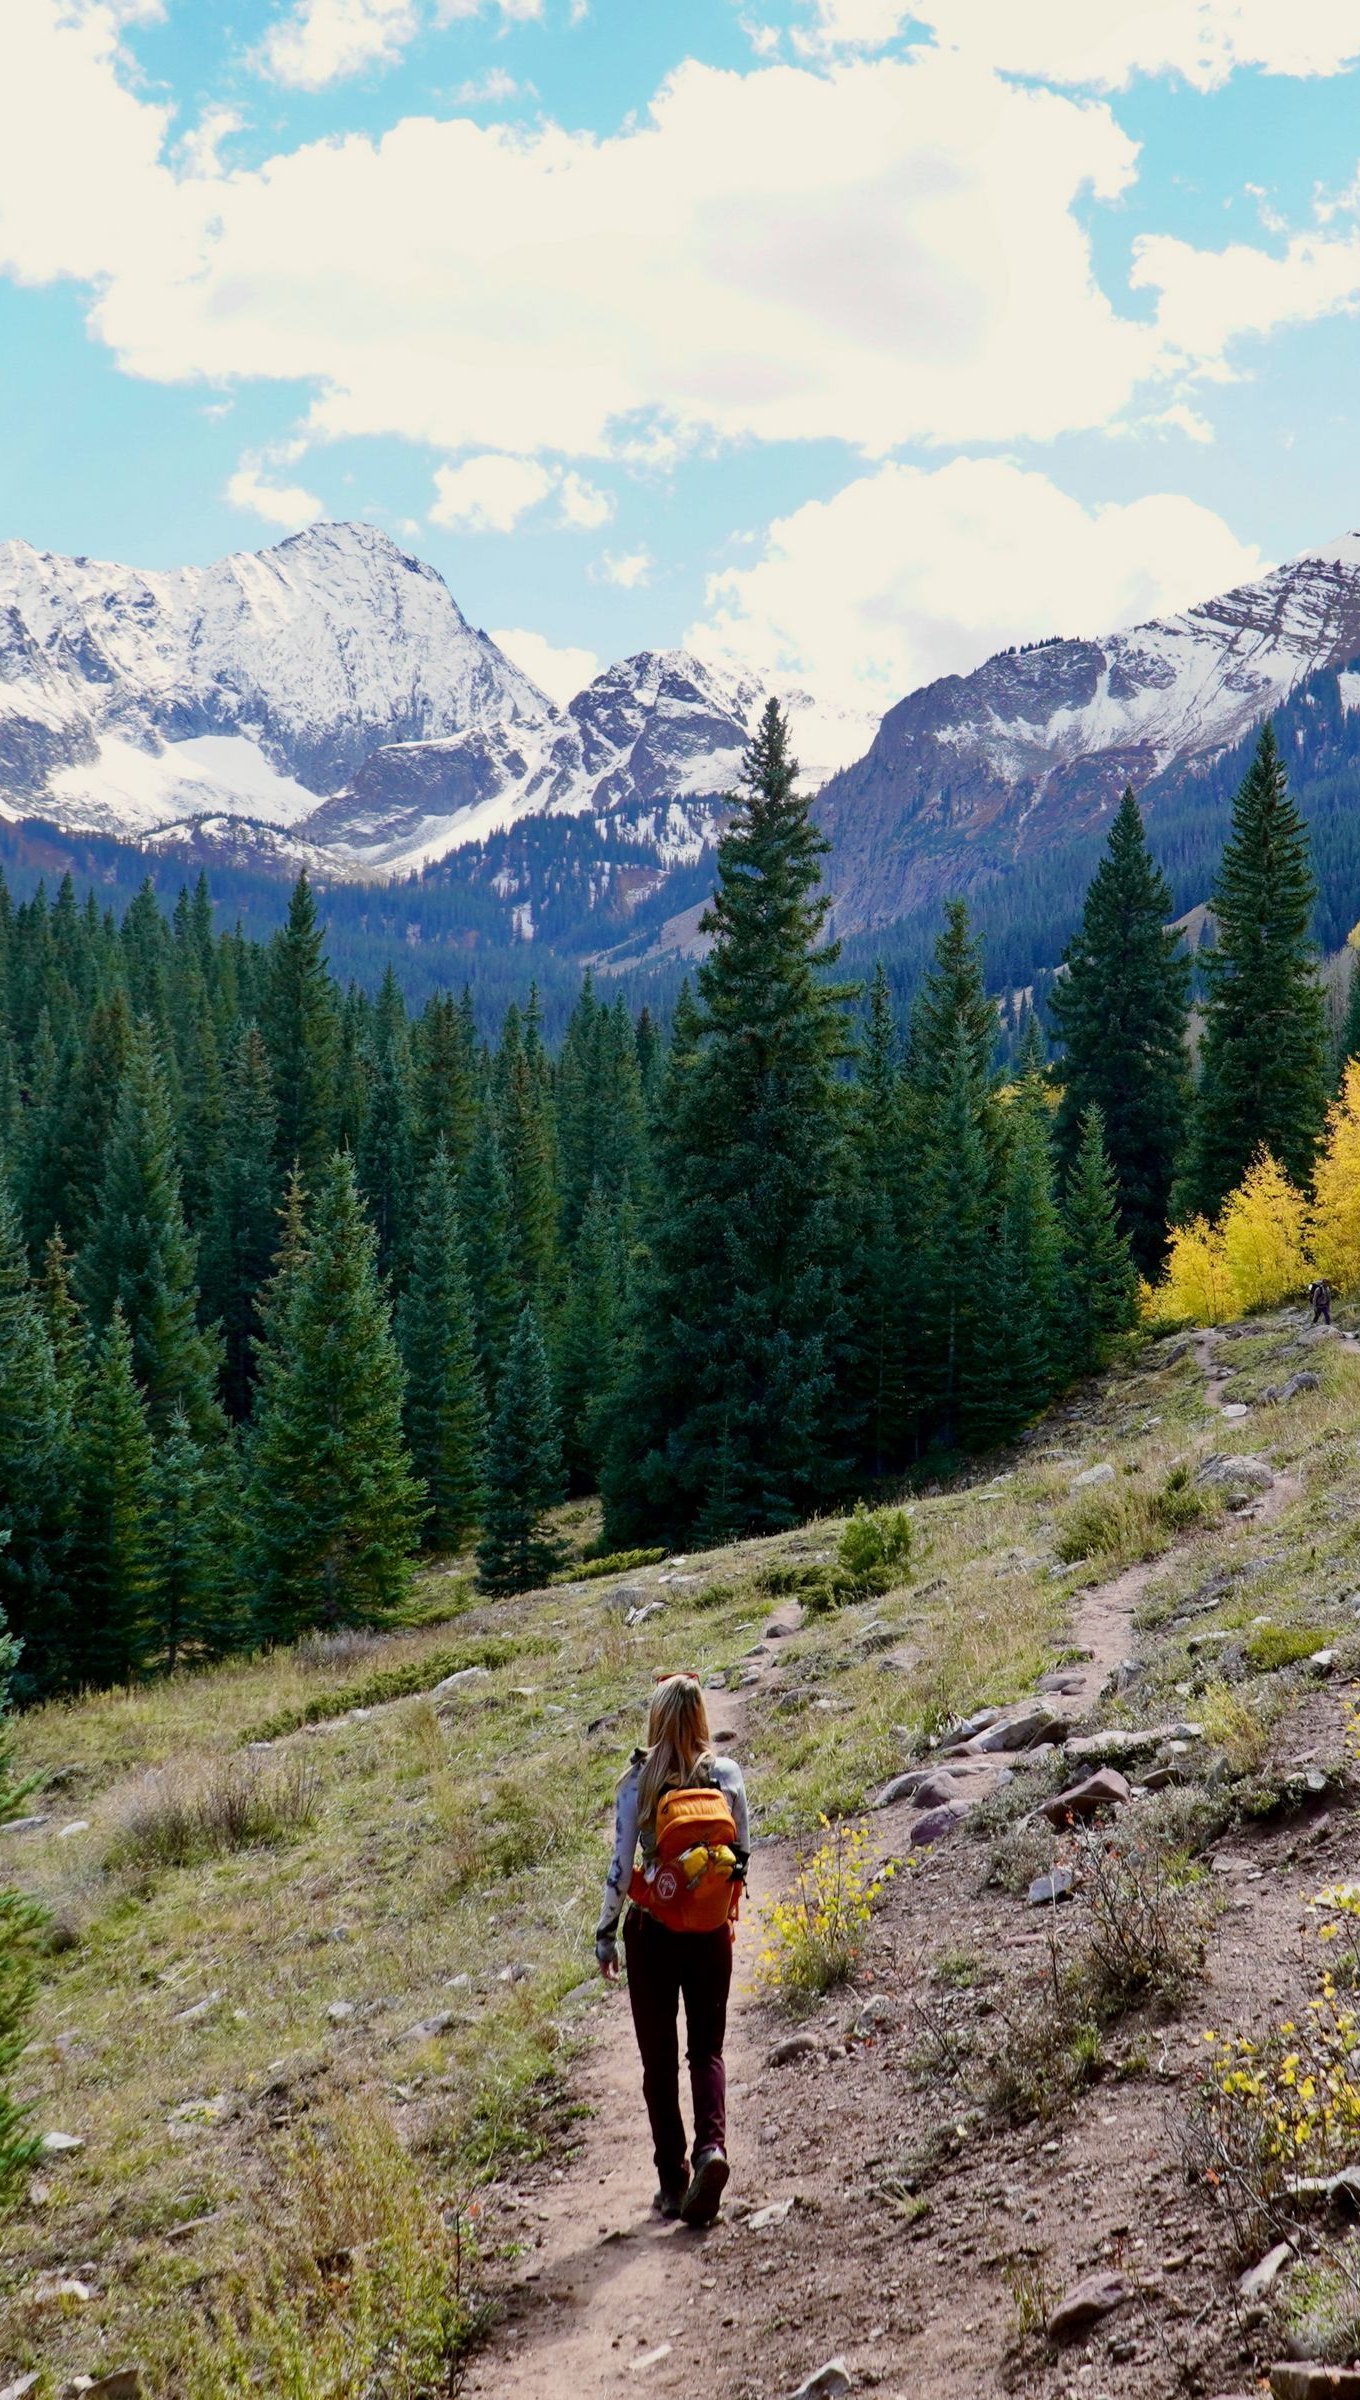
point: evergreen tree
(385, 1145)
(444, 1097)
(955, 1213)
(199, 1607)
(331, 1508)
(300, 1029)
(524, 1120)
(524, 1477)
(486, 1238)
(445, 1408)
(1349, 1043)
(587, 1348)
(1263, 1079)
(21, 1922)
(1020, 1347)
(89, 1105)
(38, 1181)
(139, 1256)
(733, 1419)
(35, 1467)
(952, 997)
(1121, 1012)
(1100, 1279)
(113, 1574)
(65, 1325)
(879, 1287)
(239, 1239)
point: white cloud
(1209, 299)
(288, 504)
(557, 669)
(495, 85)
(323, 40)
(1106, 43)
(906, 575)
(488, 494)
(583, 504)
(885, 252)
(628, 568)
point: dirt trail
(607, 2299)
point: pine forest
(294, 1287)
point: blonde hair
(678, 1739)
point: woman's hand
(607, 1959)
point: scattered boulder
(1276, 1394)
(939, 1790)
(1085, 2303)
(1239, 1479)
(1303, 2379)
(826, 2383)
(1046, 1889)
(650, 2358)
(339, 2011)
(460, 1681)
(1035, 1723)
(428, 2029)
(21, 2385)
(1257, 2280)
(198, 2010)
(23, 1825)
(1233, 1408)
(58, 2145)
(1107, 1788)
(936, 1823)
(1102, 1472)
(1122, 1745)
(124, 2383)
(794, 2045)
(77, 1825)
(1339, 2191)
(875, 2015)
(773, 2215)
(1061, 1680)
(969, 1729)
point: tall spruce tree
(588, 1339)
(199, 1607)
(485, 1202)
(445, 1405)
(524, 1477)
(1263, 1062)
(385, 1137)
(35, 1470)
(301, 1030)
(878, 1279)
(1121, 1011)
(737, 1418)
(113, 1571)
(955, 1213)
(1100, 1285)
(1348, 1043)
(139, 1256)
(331, 1505)
(1020, 1347)
(239, 1239)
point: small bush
(1133, 1522)
(783, 1579)
(816, 1934)
(617, 1562)
(1236, 1726)
(403, 1682)
(1268, 1647)
(1144, 1922)
(875, 1548)
(180, 1814)
(716, 1595)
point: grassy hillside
(320, 1951)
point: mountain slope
(309, 656)
(974, 773)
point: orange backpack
(691, 1885)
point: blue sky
(843, 342)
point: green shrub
(875, 1547)
(618, 1562)
(1269, 1646)
(390, 1683)
(176, 1815)
(783, 1579)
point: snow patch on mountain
(125, 789)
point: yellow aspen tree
(1335, 1222)
(1264, 1231)
(1196, 1283)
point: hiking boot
(669, 2203)
(704, 2197)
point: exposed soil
(909, 2244)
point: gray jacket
(630, 1835)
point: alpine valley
(325, 703)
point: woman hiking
(685, 1809)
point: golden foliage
(1336, 1189)
(1264, 1234)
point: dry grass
(193, 1810)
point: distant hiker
(685, 1808)
(1320, 1296)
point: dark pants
(663, 1968)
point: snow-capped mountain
(249, 687)
(1033, 748)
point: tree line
(293, 1287)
